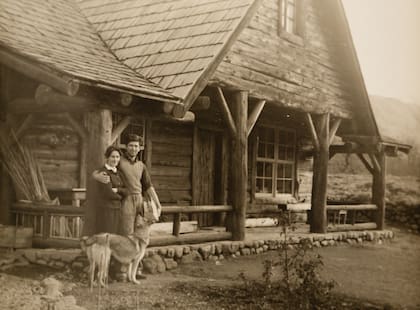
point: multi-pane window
(136, 126)
(275, 161)
(288, 14)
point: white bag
(151, 210)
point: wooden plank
(255, 114)
(379, 189)
(350, 227)
(239, 167)
(62, 83)
(361, 207)
(224, 109)
(199, 237)
(333, 130)
(122, 125)
(318, 216)
(196, 209)
(83, 163)
(312, 130)
(40, 208)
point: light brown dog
(128, 250)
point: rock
(59, 264)
(226, 248)
(324, 242)
(67, 303)
(69, 257)
(259, 250)
(150, 265)
(194, 256)
(316, 244)
(77, 265)
(30, 255)
(52, 287)
(359, 240)
(218, 249)
(213, 258)
(205, 251)
(253, 251)
(187, 250)
(41, 262)
(237, 253)
(245, 251)
(241, 244)
(265, 248)
(234, 247)
(221, 257)
(331, 242)
(369, 236)
(170, 253)
(179, 252)
(170, 263)
(163, 251)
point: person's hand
(103, 177)
(115, 190)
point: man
(136, 179)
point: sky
(386, 34)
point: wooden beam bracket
(255, 114)
(226, 111)
(79, 128)
(120, 128)
(312, 129)
(333, 129)
(365, 162)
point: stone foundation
(159, 259)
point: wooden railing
(343, 217)
(62, 226)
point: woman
(108, 196)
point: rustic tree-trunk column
(378, 190)
(239, 167)
(99, 138)
(318, 223)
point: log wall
(56, 146)
(299, 72)
(172, 149)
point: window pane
(288, 186)
(268, 186)
(288, 171)
(279, 188)
(259, 185)
(260, 169)
(280, 171)
(268, 170)
(261, 149)
(282, 152)
(290, 153)
(270, 151)
(291, 11)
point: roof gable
(170, 42)
(56, 34)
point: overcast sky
(386, 34)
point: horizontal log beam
(25, 106)
(201, 103)
(52, 209)
(361, 207)
(174, 109)
(126, 99)
(195, 209)
(224, 109)
(199, 237)
(46, 95)
(254, 115)
(64, 84)
(350, 227)
(361, 139)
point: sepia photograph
(209, 154)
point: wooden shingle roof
(56, 34)
(171, 42)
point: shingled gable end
(230, 96)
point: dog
(128, 250)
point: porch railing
(62, 226)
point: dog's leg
(129, 271)
(91, 274)
(137, 261)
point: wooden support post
(224, 108)
(239, 167)
(378, 189)
(318, 222)
(6, 191)
(224, 170)
(99, 136)
(176, 228)
(255, 114)
(148, 144)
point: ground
(371, 275)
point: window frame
(275, 162)
(138, 121)
(295, 36)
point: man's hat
(134, 138)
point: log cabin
(229, 95)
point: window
(136, 126)
(288, 16)
(275, 161)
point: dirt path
(387, 274)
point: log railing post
(318, 222)
(99, 124)
(378, 189)
(239, 167)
